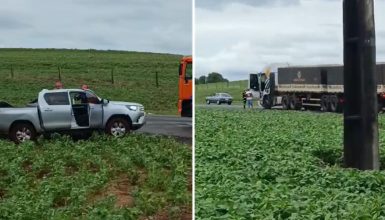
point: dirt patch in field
(92, 167)
(165, 214)
(27, 166)
(43, 173)
(143, 174)
(2, 193)
(70, 169)
(120, 188)
(60, 202)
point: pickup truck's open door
(87, 110)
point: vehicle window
(92, 98)
(188, 71)
(78, 98)
(57, 98)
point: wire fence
(109, 75)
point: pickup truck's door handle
(48, 110)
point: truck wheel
(208, 102)
(266, 103)
(118, 127)
(333, 103)
(22, 132)
(292, 102)
(324, 103)
(285, 102)
(218, 102)
(186, 108)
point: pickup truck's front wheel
(22, 132)
(118, 127)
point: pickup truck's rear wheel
(22, 132)
(118, 127)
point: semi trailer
(297, 87)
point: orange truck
(185, 87)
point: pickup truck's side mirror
(105, 101)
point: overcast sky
(136, 25)
(237, 37)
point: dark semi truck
(298, 87)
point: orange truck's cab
(185, 87)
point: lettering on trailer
(299, 77)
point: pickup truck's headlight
(132, 107)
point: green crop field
(137, 177)
(234, 88)
(24, 72)
(281, 165)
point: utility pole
(360, 86)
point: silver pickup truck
(70, 110)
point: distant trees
(213, 77)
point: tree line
(210, 78)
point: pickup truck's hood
(125, 103)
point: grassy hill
(234, 88)
(134, 75)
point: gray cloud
(140, 25)
(239, 38)
(219, 4)
(10, 21)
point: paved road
(177, 127)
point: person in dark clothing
(244, 98)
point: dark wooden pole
(59, 71)
(12, 71)
(112, 75)
(156, 79)
(360, 86)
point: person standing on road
(244, 98)
(249, 98)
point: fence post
(156, 79)
(112, 75)
(11, 71)
(59, 71)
